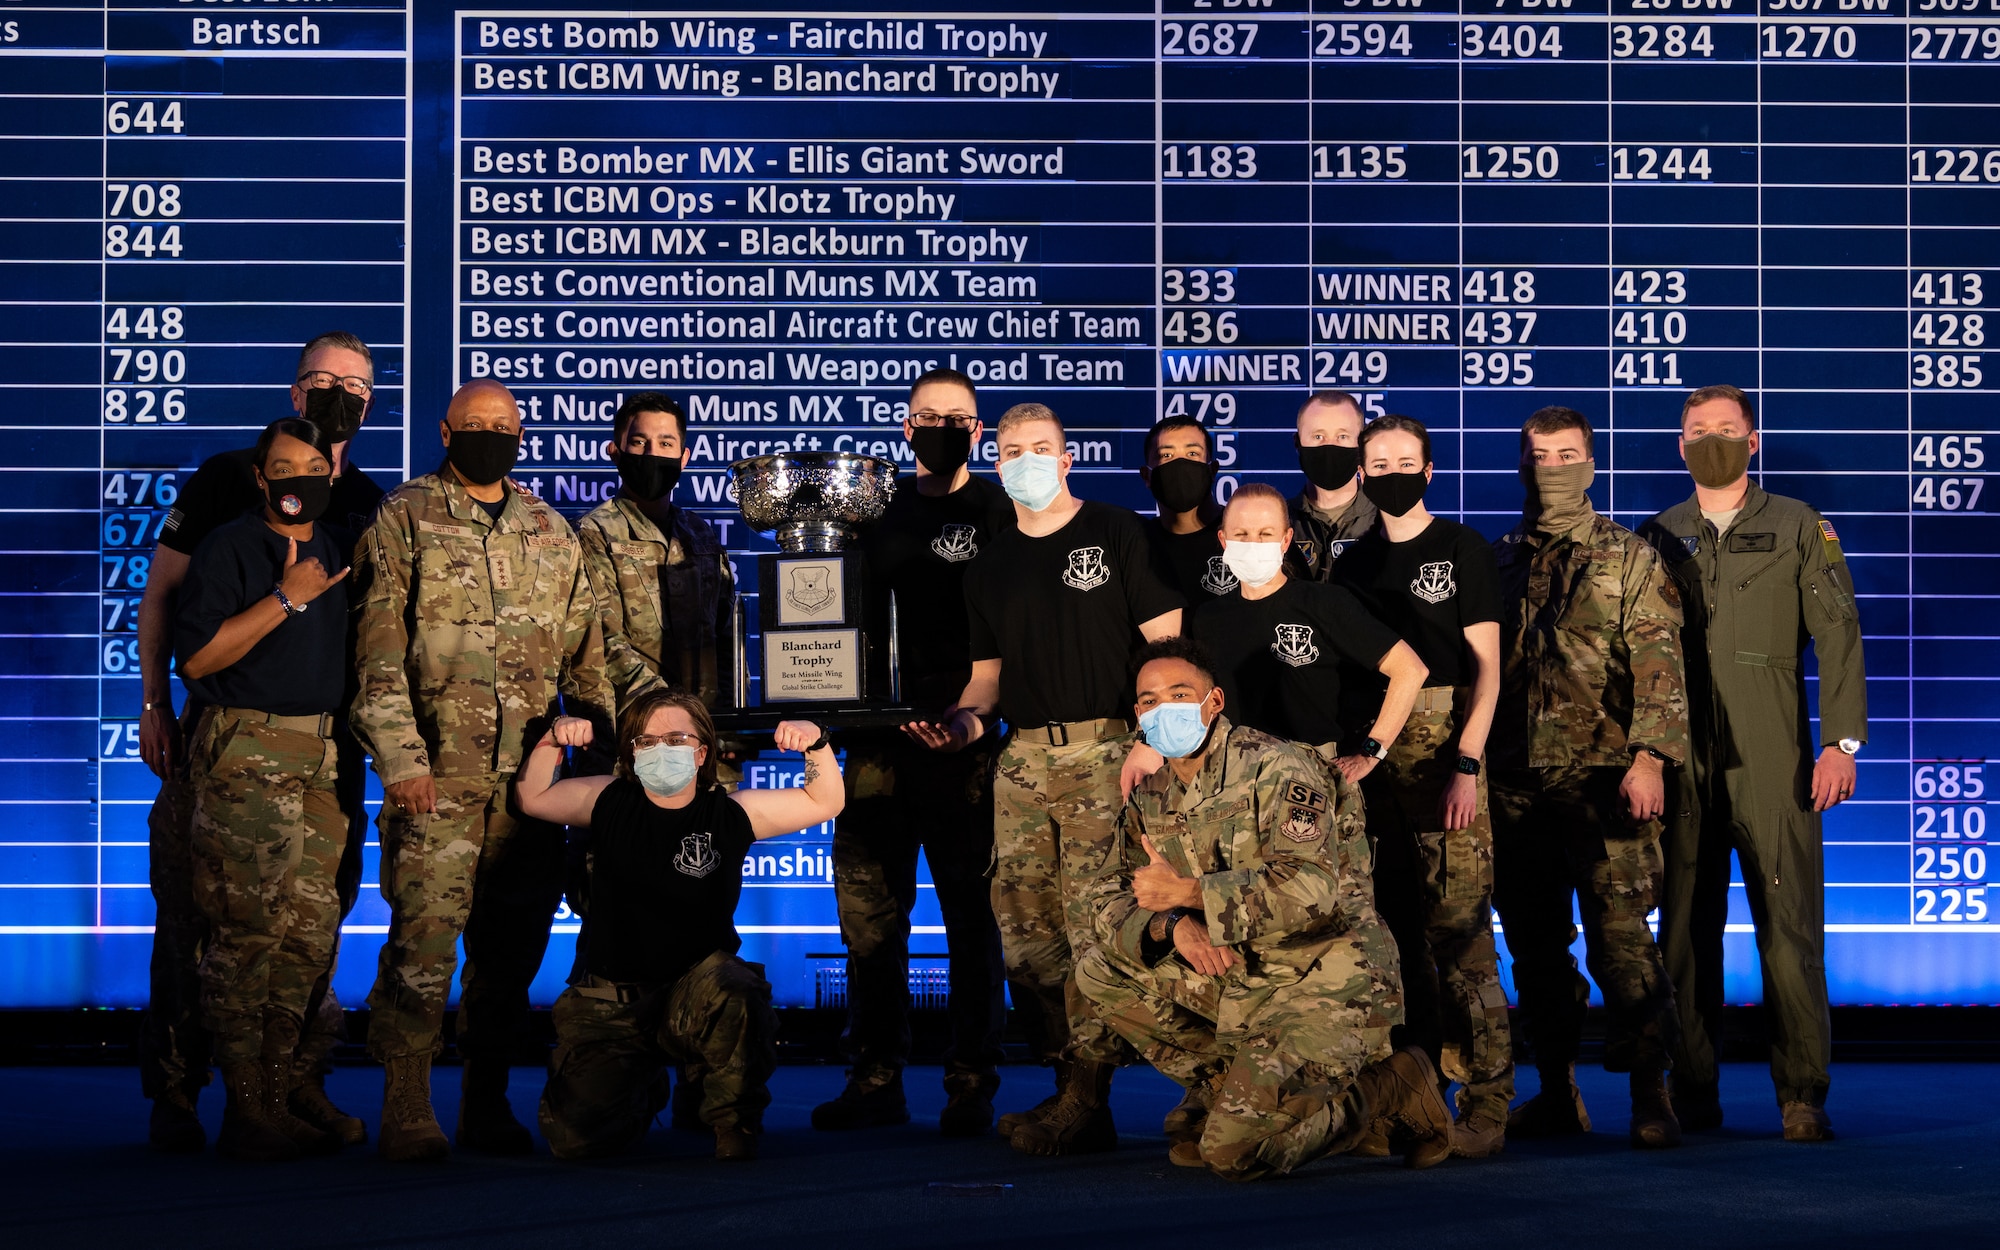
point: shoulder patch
(1301, 825)
(1301, 795)
(1830, 541)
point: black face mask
(1329, 466)
(483, 457)
(335, 412)
(648, 477)
(941, 448)
(1181, 485)
(1394, 493)
(299, 500)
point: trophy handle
(737, 625)
(895, 655)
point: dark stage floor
(1916, 1164)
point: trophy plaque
(828, 643)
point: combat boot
(1557, 1111)
(1653, 1124)
(410, 1131)
(1008, 1124)
(1372, 1144)
(174, 1127)
(1080, 1122)
(1186, 1154)
(736, 1144)
(1187, 1120)
(869, 1100)
(1401, 1094)
(309, 1102)
(486, 1123)
(245, 1132)
(1478, 1135)
(968, 1107)
(281, 1043)
(1699, 1107)
(1805, 1122)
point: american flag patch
(1826, 531)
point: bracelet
(290, 608)
(825, 733)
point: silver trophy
(828, 642)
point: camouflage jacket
(1268, 832)
(469, 627)
(664, 600)
(1590, 655)
(1318, 539)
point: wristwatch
(1852, 746)
(1373, 749)
(1170, 920)
(1468, 765)
(825, 733)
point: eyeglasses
(645, 742)
(956, 420)
(320, 379)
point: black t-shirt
(663, 883)
(1281, 657)
(921, 549)
(1062, 614)
(1429, 590)
(224, 488)
(298, 669)
(1191, 563)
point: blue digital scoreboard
(1459, 211)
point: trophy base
(802, 537)
(762, 720)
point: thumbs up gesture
(1159, 886)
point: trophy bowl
(814, 500)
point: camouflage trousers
(607, 1078)
(174, 1047)
(267, 838)
(1283, 1075)
(1447, 954)
(901, 798)
(475, 869)
(1561, 834)
(1055, 828)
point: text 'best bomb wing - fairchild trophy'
(829, 641)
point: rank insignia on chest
(1301, 825)
(500, 567)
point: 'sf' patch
(1299, 794)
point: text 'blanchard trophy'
(829, 642)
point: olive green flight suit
(1753, 596)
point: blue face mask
(665, 770)
(1031, 480)
(1174, 729)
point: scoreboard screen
(1460, 210)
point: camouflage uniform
(1318, 538)
(1276, 840)
(174, 1046)
(1590, 671)
(664, 600)
(606, 1079)
(469, 629)
(1055, 829)
(1405, 794)
(268, 838)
